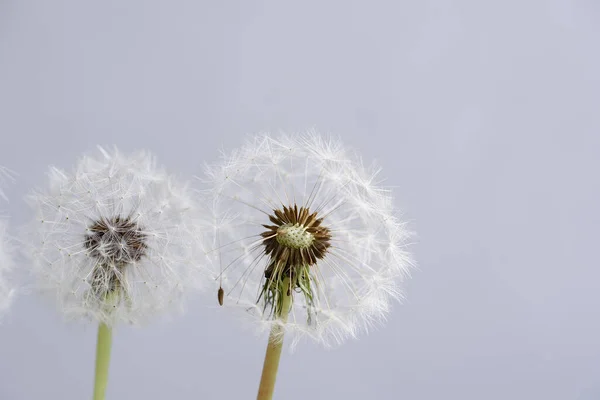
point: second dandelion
(308, 243)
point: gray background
(484, 116)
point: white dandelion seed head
(116, 239)
(305, 208)
(7, 290)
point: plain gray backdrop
(483, 114)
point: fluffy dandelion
(6, 264)
(6, 250)
(309, 245)
(114, 240)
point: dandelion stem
(273, 354)
(102, 360)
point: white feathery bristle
(5, 176)
(116, 239)
(361, 271)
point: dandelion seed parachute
(5, 175)
(304, 208)
(116, 239)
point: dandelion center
(114, 242)
(297, 239)
(295, 242)
(294, 236)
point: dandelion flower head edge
(7, 289)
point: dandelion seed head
(7, 289)
(116, 239)
(304, 208)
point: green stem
(273, 354)
(102, 361)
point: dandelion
(308, 243)
(6, 264)
(6, 249)
(115, 241)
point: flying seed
(220, 295)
